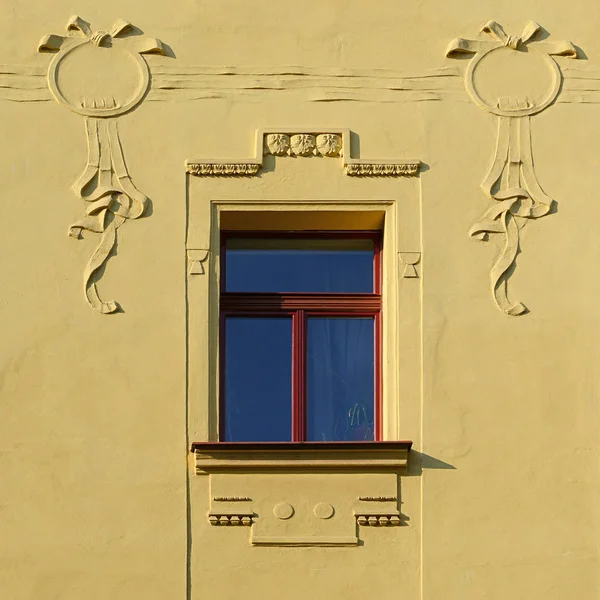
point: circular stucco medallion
(283, 511)
(323, 510)
(97, 81)
(513, 83)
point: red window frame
(300, 306)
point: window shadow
(419, 462)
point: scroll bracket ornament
(511, 181)
(110, 196)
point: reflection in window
(340, 379)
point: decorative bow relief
(107, 78)
(513, 77)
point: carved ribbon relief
(513, 77)
(101, 75)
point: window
(300, 344)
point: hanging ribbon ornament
(513, 77)
(101, 77)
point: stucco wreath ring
(99, 112)
(476, 61)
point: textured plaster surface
(98, 494)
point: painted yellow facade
(132, 135)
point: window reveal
(300, 337)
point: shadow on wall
(418, 462)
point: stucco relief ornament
(513, 77)
(278, 144)
(302, 144)
(101, 75)
(329, 144)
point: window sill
(215, 457)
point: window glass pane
(258, 379)
(341, 379)
(299, 265)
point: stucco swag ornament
(101, 75)
(503, 78)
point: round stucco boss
(323, 510)
(283, 511)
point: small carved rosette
(278, 144)
(329, 144)
(513, 77)
(302, 144)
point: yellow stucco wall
(98, 492)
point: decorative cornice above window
(305, 142)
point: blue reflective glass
(299, 265)
(258, 379)
(341, 379)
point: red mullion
(349, 314)
(299, 375)
(321, 302)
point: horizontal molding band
(240, 456)
(304, 541)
